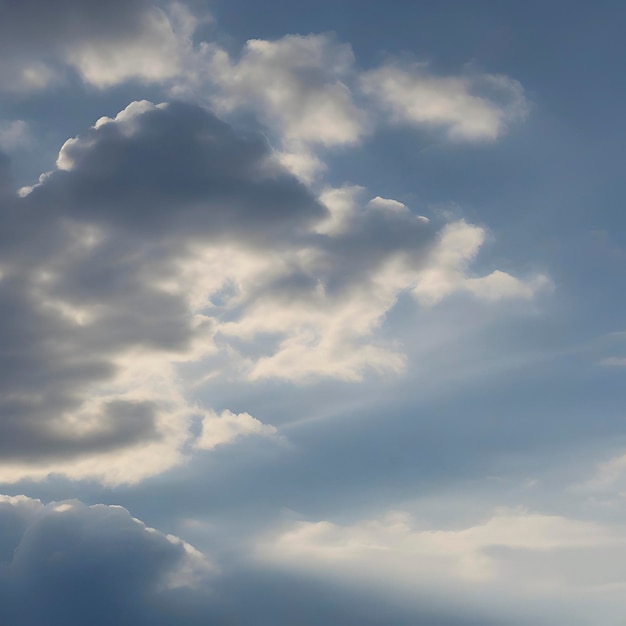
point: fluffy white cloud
(226, 427)
(295, 84)
(311, 94)
(447, 270)
(468, 108)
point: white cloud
(328, 334)
(296, 84)
(411, 554)
(512, 558)
(302, 163)
(387, 204)
(309, 91)
(447, 270)
(306, 88)
(227, 427)
(469, 108)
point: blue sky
(312, 313)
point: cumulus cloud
(298, 86)
(166, 237)
(67, 563)
(311, 94)
(476, 107)
(93, 316)
(295, 83)
(228, 426)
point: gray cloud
(176, 170)
(39, 39)
(165, 236)
(65, 561)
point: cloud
(220, 429)
(311, 95)
(94, 317)
(176, 170)
(369, 256)
(296, 84)
(105, 43)
(608, 479)
(165, 238)
(66, 562)
(477, 107)
(447, 270)
(154, 52)
(307, 89)
(500, 563)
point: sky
(312, 313)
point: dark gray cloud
(177, 170)
(67, 563)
